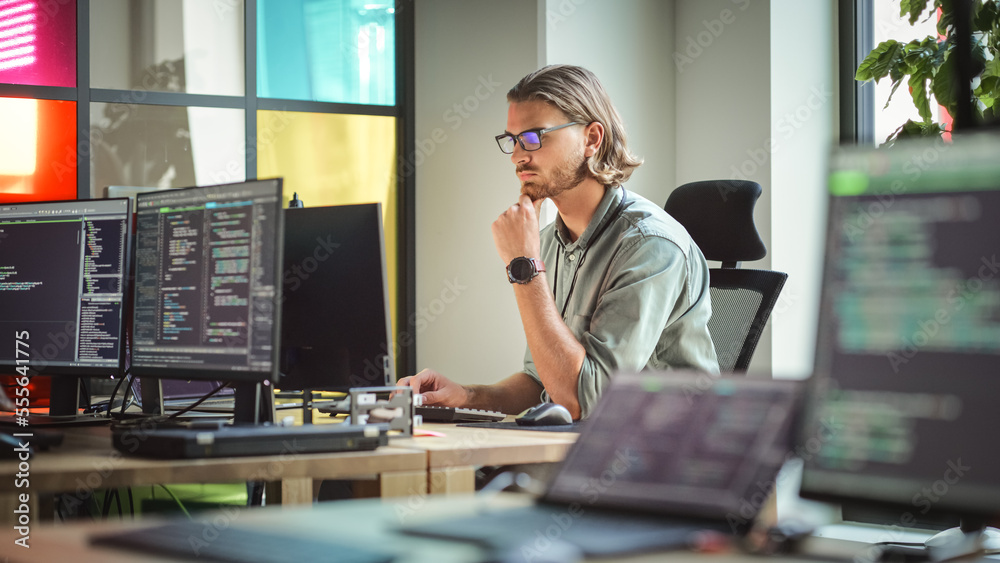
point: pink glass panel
(38, 42)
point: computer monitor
(207, 286)
(63, 285)
(335, 330)
(906, 383)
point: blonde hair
(577, 92)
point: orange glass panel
(37, 150)
(334, 159)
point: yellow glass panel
(335, 159)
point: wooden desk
(86, 462)
(452, 459)
(354, 523)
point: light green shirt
(635, 294)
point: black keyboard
(458, 414)
(204, 541)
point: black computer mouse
(545, 414)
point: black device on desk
(909, 334)
(663, 456)
(64, 269)
(207, 291)
(203, 441)
(335, 328)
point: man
(613, 284)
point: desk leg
(298, 490)
(403, 484)
(452, 480)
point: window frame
(857, 99)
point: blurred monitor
(336, 330)
(907, 383)
(63, 281)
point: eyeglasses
(530, 140)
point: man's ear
(594, 135)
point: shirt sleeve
(648, 289)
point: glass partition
(191, 46)
(165, 146)
(327, 50)
(37, 150)
(38, 42)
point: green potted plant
(928, 65)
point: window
(190, 92)
(915, 50)
(889, 113)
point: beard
(566, 176)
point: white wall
(625, 42)
(803, 112)
(468, 54)
(722, 59)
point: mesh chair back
(742, 300)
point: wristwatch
(523, 270)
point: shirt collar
(601, 214)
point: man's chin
(531, 190)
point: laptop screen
(681, 443)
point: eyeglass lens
(530, 140)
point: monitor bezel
(210, 373)
(87, 370)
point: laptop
(663, 457)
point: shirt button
(572, 257)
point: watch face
(521, 269)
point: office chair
(719, 216)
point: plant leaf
(944, 83)
(876, 65)
(918, 91)
(988, 91)
(912, 7)
(986, 17)
(912, 129)
(947, 19)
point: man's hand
(436, 389)
(515, 232)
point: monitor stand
(64, 406)
(253, 401)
